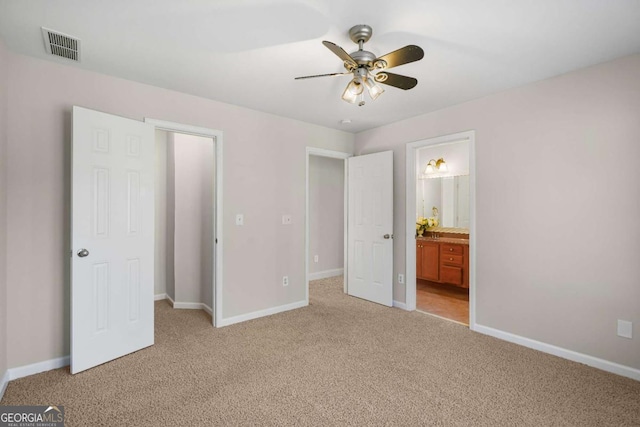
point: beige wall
(193, 198)
(549, 266)
(326, 213)
(4, 58)
(264, 178)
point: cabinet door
(430, 261)
(451, 275)
(419, 259)
(465, 268)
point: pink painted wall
(550, 267)
(4, 59)
(264, 178)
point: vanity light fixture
(436, 166)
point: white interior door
(370, 227)
(112, 237)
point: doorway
(200, 229)
(440, 233)
(184, 212)
(326, 216)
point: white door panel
(370, 254)
(113, 220)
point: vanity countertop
(444, 240)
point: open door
(370, 227)
(112, 237)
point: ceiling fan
(367, 70)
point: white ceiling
(247, 52)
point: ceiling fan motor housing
(360, 33)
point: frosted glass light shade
(375, 90)
(351, 92)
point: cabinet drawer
(451, 259)
(446, 249)
(452, 275)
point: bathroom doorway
(440, 212)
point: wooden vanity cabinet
(427, 261)
(443, 262)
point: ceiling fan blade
(396, 80)
(402, 56)
(340, 52)
(322, 75)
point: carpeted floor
(340, 361)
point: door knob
(83, 253)
(388, 236)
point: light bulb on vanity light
(431, 167)
(434, 166)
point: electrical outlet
(285, 280)
(625, 329)
(239, 219)
(286, 219)
(315, 258)
(400, 278)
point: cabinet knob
(450, 249)
(450, 259)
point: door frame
(320, 152)
(410, 201)
(218, 244)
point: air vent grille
(62, 45)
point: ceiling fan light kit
(368, 70)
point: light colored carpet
(340, 361)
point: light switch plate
(286, 219)
(400, 278)
(239, 219)
(625, 329)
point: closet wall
(184, 217)
(326, 215)
(193, 201)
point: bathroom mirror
(450, 195)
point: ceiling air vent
(60, 44)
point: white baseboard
(4, 382)
(170, 300)
(36, 368)
(192, 306)
(188, 305)
(399, 305)
(208, 309)
(261, 313)
(158, 297)
(326, 274)
(605, 365)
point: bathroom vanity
(442, 256)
